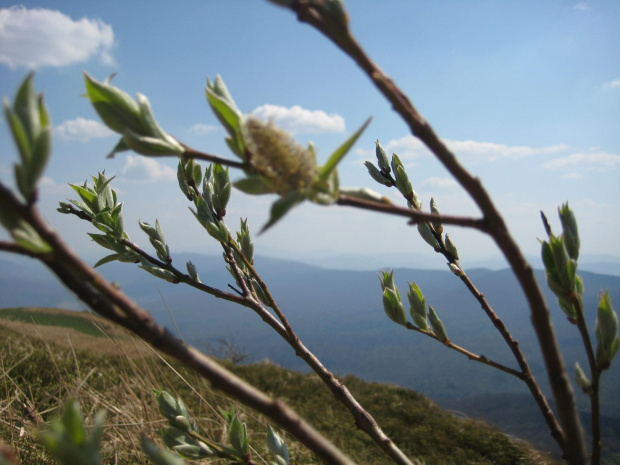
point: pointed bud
(382, 158)
(427, 234)
(436, 224)
(606, 332)
(451, 248)
(377, 175)
(417, 307)
(393, 307)
(570, 231)
(582, 379)
(437, 325)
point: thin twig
(470, 355)
(415, 216)
(196, 155)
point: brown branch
(470, 355)
(314, 13)
(196, 155)
(415, 216)
(111, 303)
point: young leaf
(281, 206)
(340, 152)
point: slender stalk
(470, 355)
(595, 375)
(195, 154)
(415, 216)
(314, 13)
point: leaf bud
(456, 270)
(437, 325)
(451, 248)
(606, 332)
(427, 234)
(193, 273)
(382, 158)
(377, 175)
(436, 224)
(582, 380)
(417, 307)
(393, 307)
(402, 182)
(570, 231)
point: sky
(527, 94)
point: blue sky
(526, 93)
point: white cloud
(410, 147)
(38, 37)
(440, 183)
(572, 175)
(139, 168)
(407, 148)
(489, 151)
(589, 161)
(82, 129)
(201, 129)
(298, 120)
(612, 84)
(582, 6)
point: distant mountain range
(339, 315)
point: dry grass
(116, 374)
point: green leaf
(277, 446)
(121, 146)
(437, 325)
(281, 206)
(20, 137)
(116, 109)
(254, 185)
(238, 437)
(340, 152)
(26, 107)
(159, 456)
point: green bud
(436, 225)
(387, 280)
(393, 307)
(582, 380)
(456, 270)
(159, 456)
(437, 325)
(568, 308)
(382, 158)
(427, 234)
(377, 175)
(191, 270)
(451, 248)
(116, 109)
(182, 423)
(277, 447)
(238, 437)
(570, 231)
(245, 241)
(606, 332)
(221, 188)
(402, 182)
(417, 307)
(147, 145)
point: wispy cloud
(582, 6)
(138, 168)
(489, 151)
(201, 129)
(440, 183)
(409, 147)
(572, 175)
(615, 84)
(82, 129)
(298, 120)
(588, 161)
(33, 38)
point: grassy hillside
(38, 372)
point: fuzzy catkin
(274, 154)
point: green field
(79, 321)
